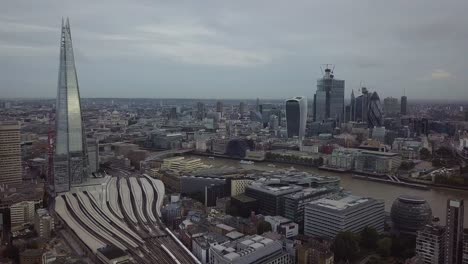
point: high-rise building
(70, 161)
(93, 155)
(347, 116)
(352, 115)
(201, 111)
(430, 244)
(403, 106)
(10, 153)
(374, 114)
(465, 247)
(391, 106)
(241, 108)
(296, 116)
(219, 107)
(329, 98)
(454, 232)
(362, 106)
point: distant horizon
(410, 100)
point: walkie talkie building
(70, 159)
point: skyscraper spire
(70, 161)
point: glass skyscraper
(329, 98)
(296, 116)
(70, 160)
(374, 114)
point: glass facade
(410, 214)
(329, 99)
(70, 147)
(375, 114)
(296, 116)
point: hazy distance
(241, 49)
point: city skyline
(171, 54)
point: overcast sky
(236, 49)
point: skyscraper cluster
(366, 108)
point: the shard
(70, 159)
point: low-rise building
(249, 250)
(283, 226)
(377, 162)
(327, 217)
(31, 256)
(343, 158)
(201, 245)
(182, 164)
(315, 251)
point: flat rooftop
(341, 202)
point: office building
(283, 226)
(404, 105)
(362, 106)
(70, 161)
(347, 116)
(454, 232)
(249, 250)
(410, 214)
(243, 205)
(329, 98)
(201, 245)
(430, 244)
(327, 217)
(352, 115)
(377, 161)
(201, 111)
(378, 134)
(238, 185)
(204, 189)
(375, 113)
(270, 196)
(465, 247)
(10, 153)
(391, 106)
(93, 155)
(294, 203)
(30, 256)
(22, 213)
(296, 116)
(219, 107)
(43, 223)
(182, 164)
(241, 108)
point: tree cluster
(349, 246)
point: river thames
(437, 197)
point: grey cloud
(236, 49)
